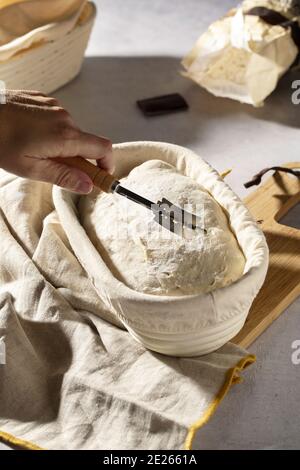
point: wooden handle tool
(100, 178)
(165, 213)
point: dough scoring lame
(149, 258)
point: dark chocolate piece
(256, 180)
(165, 104)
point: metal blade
(166, 214)
(133, 196)
(180, 215)
(167, 222)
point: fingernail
(83, 186)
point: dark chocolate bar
(162, 104)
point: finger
(35, 100)
(106, 162)
(77, 143)
(26, 92)
(59, 174)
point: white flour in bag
(241, 56)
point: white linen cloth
(72, 379)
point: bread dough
(149, 258)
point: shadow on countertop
(103, 98)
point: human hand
(34, 128)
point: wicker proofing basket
(187, 325)
(51, 65)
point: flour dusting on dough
(149, 258)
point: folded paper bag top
(289, 8)
(241, 56)
(24, 23)
(187, 325)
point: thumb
(62, 175)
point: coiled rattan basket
(50, 65)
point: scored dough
(149, 258)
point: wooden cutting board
(268, 204)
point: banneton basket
(189, 325)
(48, 66)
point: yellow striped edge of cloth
(225, 173)
(16, 442)
(232, 377)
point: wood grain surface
(273, 199)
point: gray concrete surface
(135, 52)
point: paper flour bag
(243, 55)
